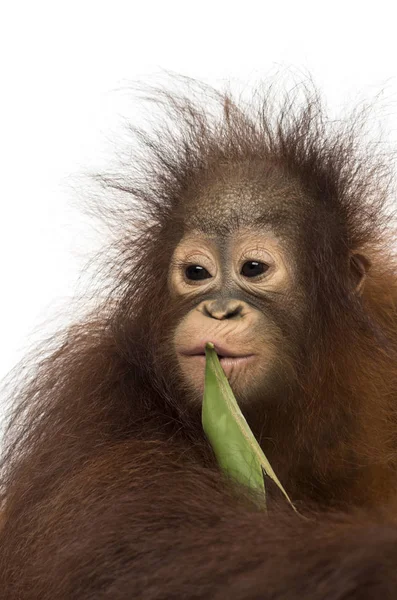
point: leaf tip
(209, 346)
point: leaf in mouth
(235, 447)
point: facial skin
(236, 277)
(234, 285)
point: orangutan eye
(253, 268)
(196, 273)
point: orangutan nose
(223, 309)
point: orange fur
(108, 486)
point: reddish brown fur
(108, 487)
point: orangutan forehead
(223, 208)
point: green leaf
(236, 449)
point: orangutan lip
(229, 363)
(222, 352)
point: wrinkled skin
(253, 319)
(232, 310)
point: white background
(64, 69)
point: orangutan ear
(359, 267)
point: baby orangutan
(263, 230)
